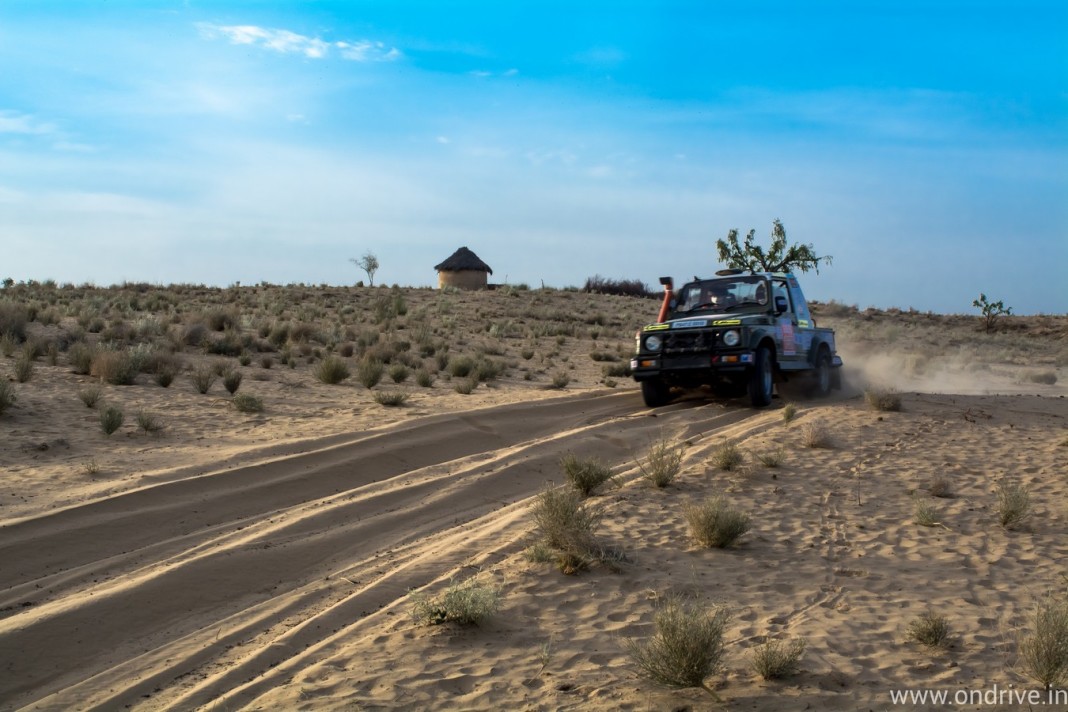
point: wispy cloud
(287, 42)
(18, 123)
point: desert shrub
(1045, 651)
(991, 311)
(111, 418)
(247, 403)
(346, 349)
(467, 603)
(687, 643)
(369, 372)
(7, 395)
(13, 318)
(883, 400)
(228, 343)
(220, 319)
(8, 344)
(390, 398)
(777, 659)
(728, 456)
(714, 523)
(925, 514)
(245, 358)
(662, 463)
(202, 378)
(90, 395)
(585, 474)
(1045, 377)
(1014, 504)
(930, 629)
(815, 435)
(488, 369)
(23, 368)
(465, 386)
(148, 422)
(560, 380)
(332, 369)
(940, 486)
(399, 373)
(624, 287)
(424, 378)
(460, 366)
(232, 381)
(789, 412)
(194, 334)
(772, 458)
(266, 361)
(164, 375)
(80, 357)
(527, 354)
(119, 368)
(564, 519)
(615, 370)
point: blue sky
(922, 144)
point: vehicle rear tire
(760, 379)
(822, 377)
(655, 393)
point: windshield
(724, 295)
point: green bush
(467, 603)
(728, 456)
(111, 419)
(232, 381)
(246, 403)
(564, 519)
(714, 523)
(399, 373)
(687, 645)
(369, 372)
(585, 474)
(1045, 651)
(332, 370)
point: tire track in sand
(215, 579)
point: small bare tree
(368, 263)
(780, 257)
(991, 310)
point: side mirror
(780, 304)
(666, 282)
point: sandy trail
(212, 580)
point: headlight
(731, 338)
(653, 343)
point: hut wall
(463, 279)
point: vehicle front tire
(655, 393)
(760, 378)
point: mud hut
(463, 270)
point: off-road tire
(655, 393)
(822, 377)
(760, 378)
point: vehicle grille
(688, 342)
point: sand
(264, 561)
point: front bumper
(690, 367)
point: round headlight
(731, 338)
(653, 343)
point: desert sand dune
(264, 560)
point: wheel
(821, 386)
(655, 393)
(760, 379)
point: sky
(921, 143)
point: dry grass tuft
(883, 400)
(777, 659)
(7, 396)
(390, 399)
(585, 474)
(728, 456)
(467, 603)
(1014, 504)
(663, 462)
(333, 370)
(774, 458)
(930, 629)
(247, 403)
(714, 523)
(815, 435)
(111, 418)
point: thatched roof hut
(463, 269)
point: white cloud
(287, 42)
(18, 123)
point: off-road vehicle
(739, 333)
